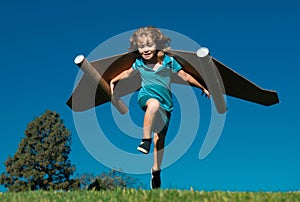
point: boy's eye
(146, 45)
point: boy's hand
(207, 94)
(112, 86)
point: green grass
(133, 195)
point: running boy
(155, 97)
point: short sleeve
(134, 66)
(137, 63)
(175, 65)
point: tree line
(42, 162)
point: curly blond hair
(162, 41)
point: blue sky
(259, 147)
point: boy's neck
(153, 60)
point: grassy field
(132, 195)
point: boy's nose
(147, 49)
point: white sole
(143, 150)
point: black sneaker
(155, 179)
(144, 146)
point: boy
(155, 97)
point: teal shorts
(162, 120)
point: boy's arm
(188, 78)
(123, 75)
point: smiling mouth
(147, 53)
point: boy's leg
(159, 143)
(152, 107)
(158, 152)
(151, 111)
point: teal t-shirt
(157, 84)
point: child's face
(146, 47)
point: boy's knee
(153, 105)
(159, 140)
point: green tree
(109, 180)
(42, 159)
